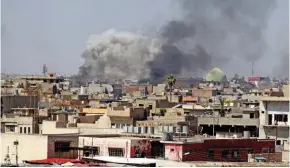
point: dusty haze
(210, 33)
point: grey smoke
(210, 33)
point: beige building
(274, 119)
(35, 147)
(22, 121)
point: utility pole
(252, 68)
(213, 126)
(16, 143)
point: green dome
(215, 75)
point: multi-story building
(274, 123)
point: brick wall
(270, 157)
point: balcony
(228, 121)
(18, 120)
(277, 124)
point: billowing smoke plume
(210, 34)
(118, 55)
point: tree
(162, 112)
(222, 110)
(171, 82)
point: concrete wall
(31, 147)
(282, 133)
(19, 102)
(204, 93)
(105, 143)
(173, 152)
(130, 146)
(49, 127)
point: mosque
(216, 76)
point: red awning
(53, 160)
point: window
(278, 142)
(28, 130)
(171, 150)
(113, 125)
(116, 152)
(226, 154)
(252, 115)
(10, 128)
(210, 153)
(61, 146)
(24, 130)
(20, 130)
(285, 118)
(91, 151)
(141, 105)
(235, 154)
(278, 117)
(150, 107)
(284, 142)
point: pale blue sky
(55, 31)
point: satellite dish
(109, 88)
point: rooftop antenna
(44, 69)
(253, 68)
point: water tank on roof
(178, 129)
(130, 129)
(125, 129)
(143, 130)
(246, 134)
(150, 130)
(171, 129)
(165, 128)
(137, 130)
(185, 129)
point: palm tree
(171, 82)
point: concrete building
(22, 121)
(206, 93)
(127, 147)
(219, 150)
(34, 147)
(274, 122)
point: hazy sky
(55, 32)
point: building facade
(36, 147)
(224, 150)
(274, 123)
(115, 146)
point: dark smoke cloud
(210, 34)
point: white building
(36, 147)
(115, 146)
(274, 122)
